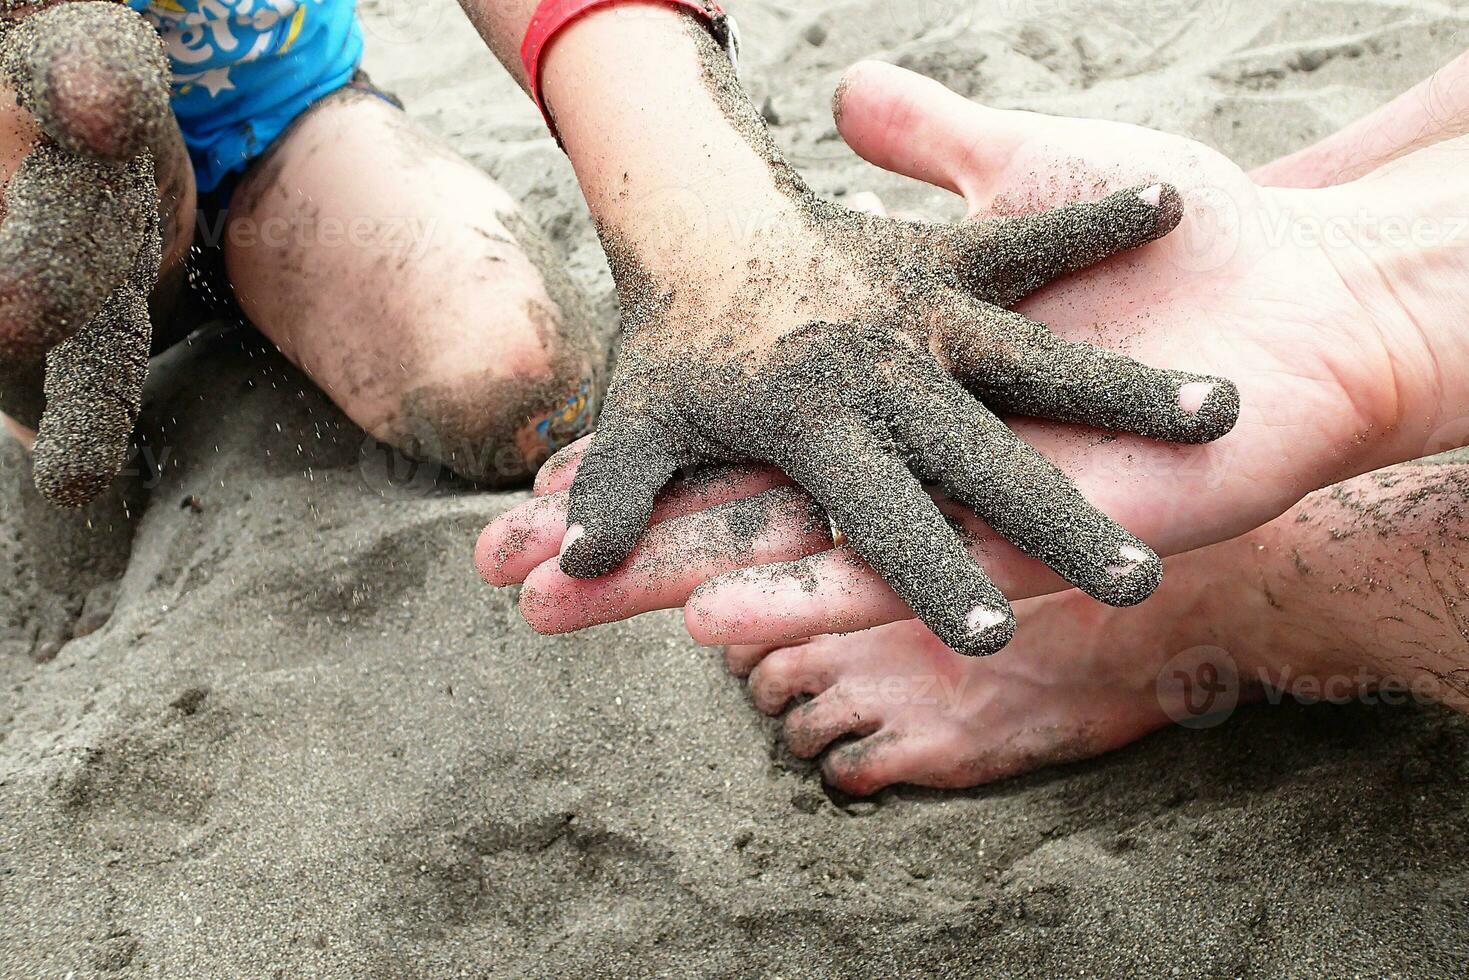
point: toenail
(1192, 396)
(573, 535)
(1153, 196)
(982, 619)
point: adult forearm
(1434, 110)
(1404, 248)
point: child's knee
(498, 429)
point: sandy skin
(1352, 594)
(484, 374)
(81, 236)
(1356, 594)
(1333, 388)
(841, 354)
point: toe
(835, 714)
(785, 673)
(867, 765)
(743, 658)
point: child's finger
(72, 231)
(611, 499)
(94, 391)
(1008, 259)
(94, 379)
(674, 557)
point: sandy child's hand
(838, 346)
(80, 236)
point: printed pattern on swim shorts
(243, 70)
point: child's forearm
(660, 160)
(1435, 109)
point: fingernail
(1153, 196)
(1192, 396)
(573, 535)
(982, 619)
(1131, 557)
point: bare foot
(1080, 679)
(1353, 594)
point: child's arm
(763, 323)
(80, 240)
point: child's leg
(1361, 588)
(404, 282)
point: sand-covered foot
(1351, 595)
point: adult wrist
(1410, 237)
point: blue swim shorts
(244, 70)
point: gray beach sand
(309, 743)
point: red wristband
(554, 15)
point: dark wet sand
(310, 743)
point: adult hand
(80, 239)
